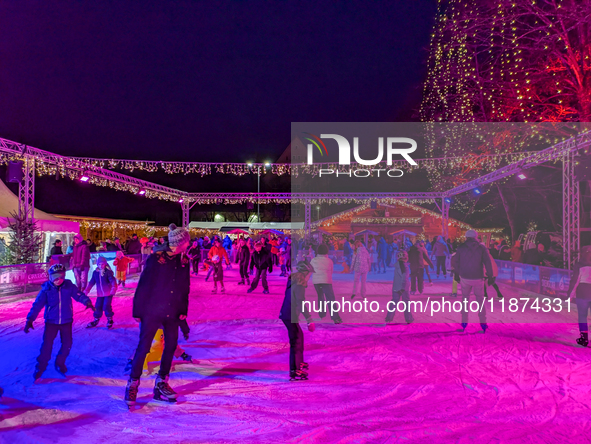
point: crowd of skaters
(161, 299)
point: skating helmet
(304, 267)
(402, 256)
(56, 269)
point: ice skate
(463, 325)
(584, 339)
(109, 323)
(123, 284)
(186, 357)
(241, 282)
(247, 281)
(131, 391)
(298, 375)
(37, 373)
(93, 324)
(454, 295)
(304, 366)
(353, 296)
(127, 368)
(484, 327)
(61, 369)
(215, 290)
(337, 320)
(265, 291)
(223, 290)
(163, 391)
(249, 290)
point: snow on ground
(416, 383)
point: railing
(542, 280)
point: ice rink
(418, 383)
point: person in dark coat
(470, 262)
(161, 300)
(57, 248)
(382, 254)
(56, 297)
(134, 246)
(243, 261)
(194, 254)
(417, 258)
(504, 251)
(441, 252)
(91, 246)
(290, 312)
(261, 259)
(80, 262)
(534, 256)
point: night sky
(198, 81)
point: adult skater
(400, 288)
(441, 252)
(470, 260)
(382, 254)
(80, 262)
(243, 260)
(418, 259)
(290, 312)
(322, 280)
(261, 259)
(161, 300)
(580, 284)
(194, 254)
(360, 264)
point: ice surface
(416, 383)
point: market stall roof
(364, 232)
(45, 222)
(403, 233)
(228, 226)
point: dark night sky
(201, 81)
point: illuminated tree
(504, 61)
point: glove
(89, 305)
(29, 326)
(311, 326)
(491, 280)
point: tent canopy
(366, 231)
(403, 233)
(45, 222)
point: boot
(584, 339)
(298, 375)
(93, 323)
(247, 281)
(61, 369)
(186, 357)
(109, 323)
(215, 290)
(38, 372)
(163, 391)
(223, 289)
(131, 391)
(123, 284)
(241, 282)
(484, 327)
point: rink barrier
(546, 281)
(19, 279)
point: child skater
(216, 256)
(580, 284)
(290, 313)
(400, 288)
(56, 296)
(121, 262)
(106, 287)
(282, 262)
(243, 259)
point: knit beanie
(79, 237)
(177, 236)
(471, 233)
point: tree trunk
(509, 211)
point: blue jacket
(57, 302)
(106, 285)
(227, 243)
(382, 248)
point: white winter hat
(471, 233)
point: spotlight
(267, 164)
(477, 191)
(84, 178)
(522, 176)
(249, 164)
(141, 192)
(181, 200)
(448, 200)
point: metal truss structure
(566, 152)
(26, 191)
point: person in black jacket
(418, 258)
(134, 246)
(57, 248)
(161, 300)
(262, 261)
(290, 312)
(194, 254)
(469, 262)
(243, 259)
